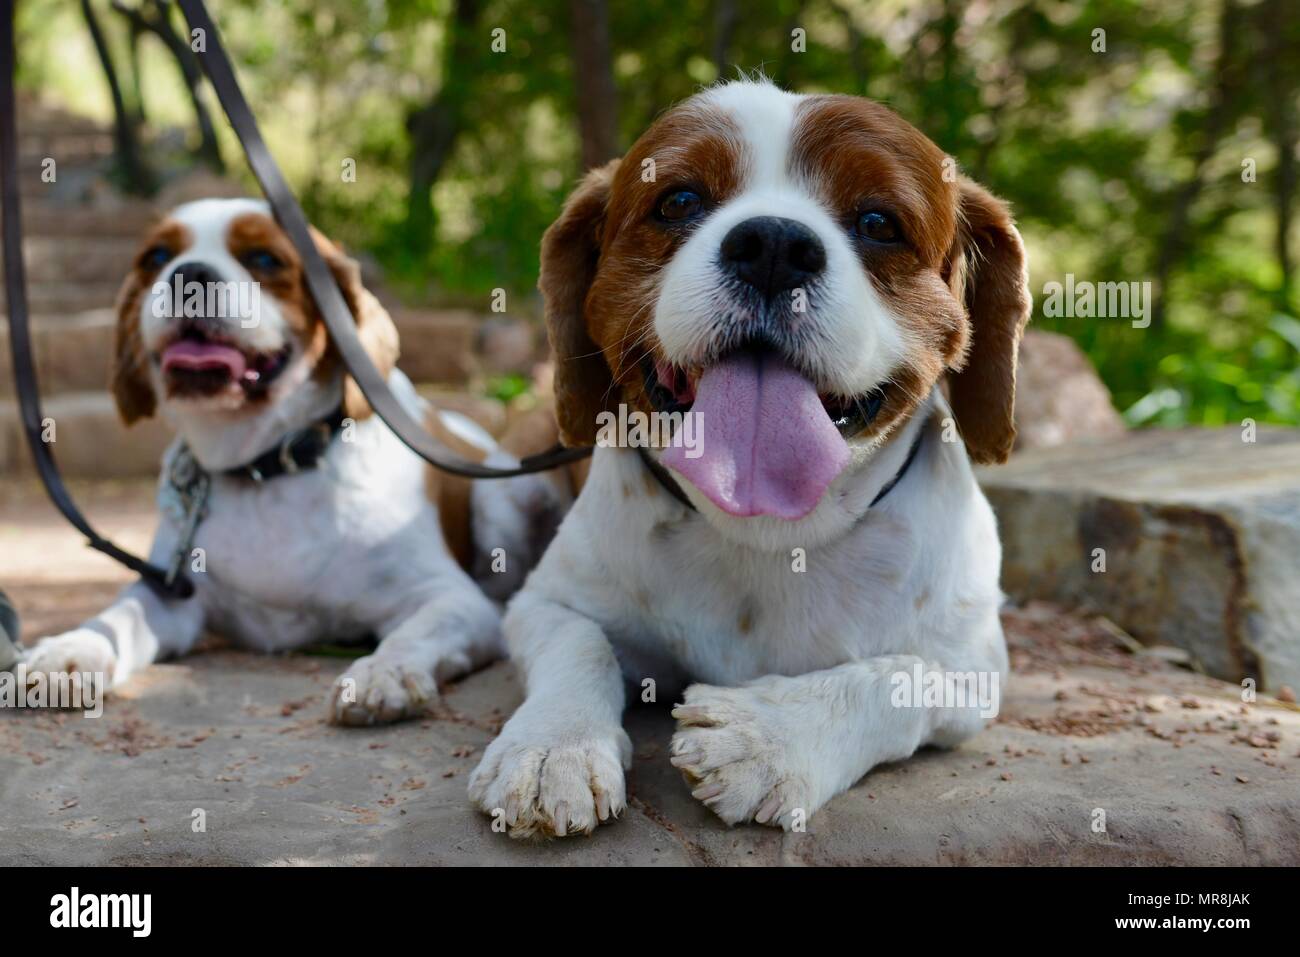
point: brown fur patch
(450, 494)
(603, 258)
(538, 431)
(859, 155)
(994, 284)
(288, 284)
(129, 381)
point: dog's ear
(988, 273)
(375, 326)
(129, 381)
(570, 253)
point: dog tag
(190, 485)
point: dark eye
(261, 260)
(155, 257)
(680, 205)
(878, 227)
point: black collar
(298, 451)
(674, 489)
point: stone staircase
(79, 239)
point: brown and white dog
(805, 275)
(217, 330)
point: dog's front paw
(379, 689)
(738, 753)
(552, 777)
(74, 654)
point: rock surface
(1059, 396)
(1184, 772)
(1199, 532)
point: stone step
(437, 345)
(90, 439)
(38, 119)
(127, 220)
(55, 298)
(88, 257)
(65, 148)
(1199, 531)
(73, 354)
(92, 442)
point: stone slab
(1200, 533)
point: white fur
(853, 341)
(794, 703)
(350, 548)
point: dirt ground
(1103, 754)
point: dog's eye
(155, 257)
(261, 260)
(878, 227)
(680, 205)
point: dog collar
(188, 482)
(673, 487)
(298, 451)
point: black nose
(197, 272)
(772, 254)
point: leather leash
(320, 281)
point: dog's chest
(721, 613)
(310, 556)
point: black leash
(20, 340)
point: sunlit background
(1169, 158)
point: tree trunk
(159, 23)
(1280, 96)
(593, 74)
(1216, 121)
(134, 173)
(725, 18)
(433, 128)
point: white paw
(736, 750)
(553, 777)
(73, 653)
(379, 689)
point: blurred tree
(1137, 140)
(155, 17)
(434, 127)
(133, 172)
(593, 71)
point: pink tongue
(767, 446)
(187, 354)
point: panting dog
(812, 279)
(298, 515)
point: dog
(298, 515)
(812, 279)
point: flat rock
(1198, 532)
(1100, 756)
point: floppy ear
(375, 327)
(129, 381)
(990, 275)
(570, 253)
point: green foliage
(1123, 165)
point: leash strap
(20, 341)
(320, 281)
